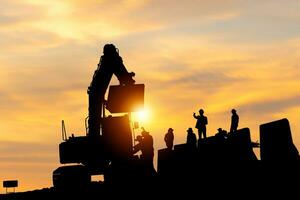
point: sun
(142, 116)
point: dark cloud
(267, 106)
(205, 79)
(195, 80)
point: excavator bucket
(123, 99)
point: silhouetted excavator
(107, 148)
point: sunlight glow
(142, 116)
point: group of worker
(201, 124)
(145, 140)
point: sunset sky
(191, 54)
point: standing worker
(169, 139)
(145, 145)
(201, 124)
(234, 121)
(191, 140)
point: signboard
(10, 183)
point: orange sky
(211, 54)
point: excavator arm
(110, 63)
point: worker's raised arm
(194, 115)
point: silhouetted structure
(234, 121)
(169, 139)
(201, 123)
(276, 143)
(191, 140)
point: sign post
(10, 184)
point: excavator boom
(110, 63)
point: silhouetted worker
(191, 140)
(234, 121)
(201, 123)
(146, 146)
(222, 134)
(169, 139)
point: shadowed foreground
(214, 180)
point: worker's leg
(204, 132)
(233, 129)
(199, 133)
(170, 145)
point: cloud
(203, 80)
(110, 19)
(269, 107)
(28, 152)
(16, 12)
(29, 162)
(24, 41)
